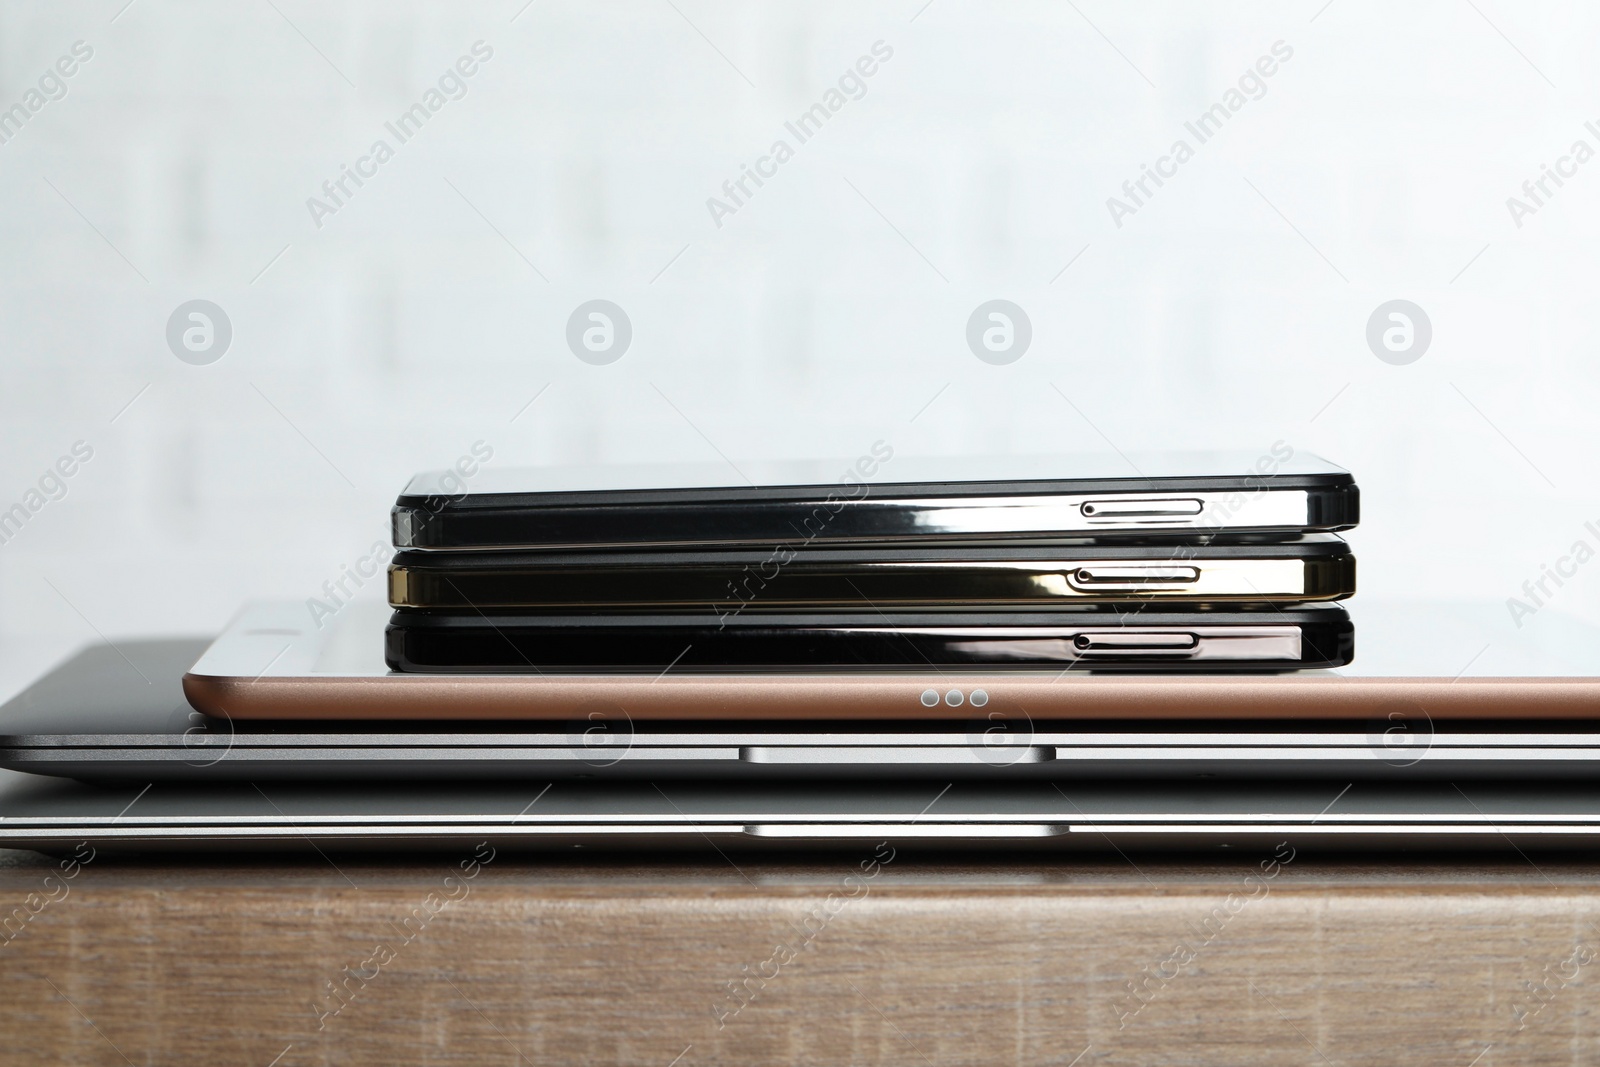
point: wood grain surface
(843, 959)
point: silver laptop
(116, 713)
(55, 815)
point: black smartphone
(1094, 636)
(950, 577)
(878, 497)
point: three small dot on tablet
(955, 698)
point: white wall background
(1230, 312)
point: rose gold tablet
(1438, 662)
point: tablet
(1446, 661)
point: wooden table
(837, 960)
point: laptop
(1446, 693)
(56, 815)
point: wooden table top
(876, 958)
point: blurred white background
(829, 311)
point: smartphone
(1311, 567)
(880, 497)
(1117, 637)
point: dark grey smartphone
(878, 497)
(1112, 637)
(1310, 567)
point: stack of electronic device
(1028, 655)
(1028, 569)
